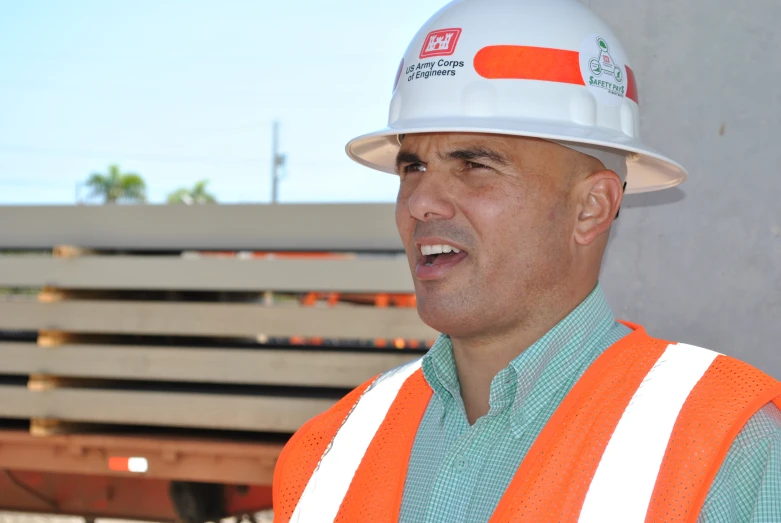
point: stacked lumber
(150, 322)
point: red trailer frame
(186, 479)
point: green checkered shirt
(458, 472)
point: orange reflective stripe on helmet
(521, 62)
(631, 85)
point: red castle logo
(440, 43)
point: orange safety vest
(639, 438)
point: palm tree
(117, 187)
(197, 195)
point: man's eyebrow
(403, 158)
(477, 153)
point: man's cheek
(402, 221)
(412, 257)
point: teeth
(428, 250)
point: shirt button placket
(460, 464)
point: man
(513, 130)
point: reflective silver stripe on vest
(624, 481)
(328, 485)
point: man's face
(505, 204)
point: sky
(180, 91)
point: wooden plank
(166, 409)
(360, 275)
(201, 365)
(328, 227)
(213, 319)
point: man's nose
(431, 199)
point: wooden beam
(213, 319)
(166, 409)
(258, 366)
(367, 274)
(319, 227)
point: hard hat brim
(647, 170)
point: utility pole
(79, 185)
(277, 161)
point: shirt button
(460, 464)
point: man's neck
(479, 359)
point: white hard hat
(547, 69)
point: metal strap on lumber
(202, 365)
(170, 409)
(359, 274)
(343, 227)
(213, 319)
(168, 458)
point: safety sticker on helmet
(603, 70)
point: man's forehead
(520, 152)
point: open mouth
(438, 259)
(440, 254)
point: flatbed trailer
(155, 359)
(172, 478)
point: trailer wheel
(197, 502)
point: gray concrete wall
(702, 263)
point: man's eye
(475, 165)
(413, 168)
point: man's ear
(599, 199)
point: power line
(277, 160)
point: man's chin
(452, 322)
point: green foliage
(195, 196)
(117, 187)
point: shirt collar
(555, 359)
(439, 369)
